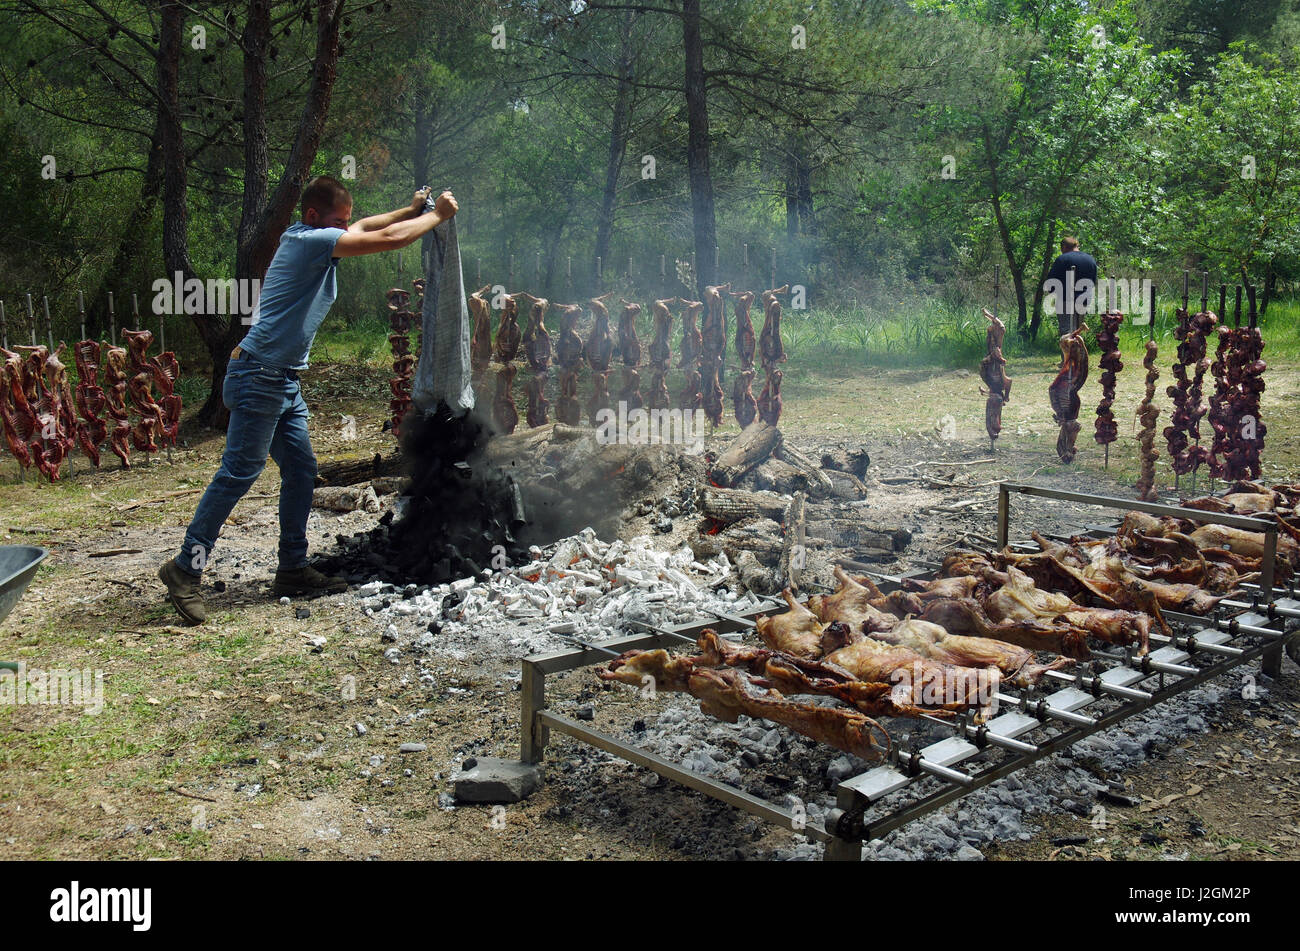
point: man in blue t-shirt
(263, 392)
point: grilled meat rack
(1036, 723)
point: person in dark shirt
(1074, 292)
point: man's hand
(397, 229)
(417, 203)
(445, 207)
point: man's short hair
(1069, 243)
(324, 194)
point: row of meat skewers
(701, 356)
(1233, 409)
(944, 646)
(44, 418)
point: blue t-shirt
(296, 295)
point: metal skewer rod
(1038, 707)
(981, 734)
(1084, 682)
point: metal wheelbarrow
(18, 564)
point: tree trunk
(262, 220)
(1036, 320)
(119, 278)
(617, 144)
(697, 148)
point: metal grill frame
(846, 826)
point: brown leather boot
(183, 592)
(306, 580)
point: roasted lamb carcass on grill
(726, 693)
(769, 401)
(508, 333)
(993, 371)
(1017, 664)
(742, 398)
(599, 349)
(661, 353)
(503, 403)
(692, 339)
(21, 425)
(568, 352)
(536, 338)
(691, 395)
(659, 398)
(629, 347)
(746, 340)
(568, 410)
(710, 388)
(599, 398)
(1064, 391)
(714, 342)
(539, 407)
(854, 604)
(631, 391)
(796, 676)
(480, 347)
(770, 346)
(797, 631)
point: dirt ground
(239, 738)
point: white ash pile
(580, 587)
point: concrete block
(493, 780)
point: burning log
(735, 505)
(792, 546)
(754, 444)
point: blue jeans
(267, 415)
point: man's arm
(396, 235)
(380, 222)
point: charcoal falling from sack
(462, 514)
